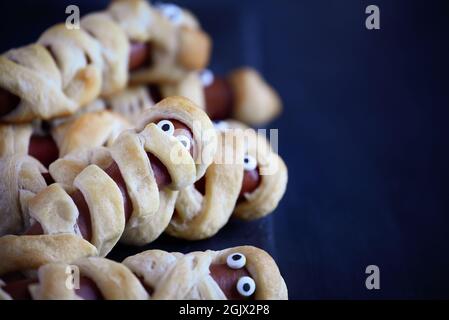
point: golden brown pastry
(14, 139)
(20, 253)
(132, 101)
(169, 39)
(114, 50)
(190, 86)
(260, 199)
(235, 273)
(240, 273)
(99, 278)
(21, 256)
(247, 178)
(67, 69)
(62, 267)
(31, 85)
(202, 213)
(22, 178)
(88, 131)
(243, 95)
(24, 158)
(255, 102)
(80, 132)
(64, 70)
(136, 183)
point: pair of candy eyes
(249, 162)
(169, 128)
(245, 285)
(171, 11)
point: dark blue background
(364, 133)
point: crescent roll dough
(180, 276)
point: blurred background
(364, 134)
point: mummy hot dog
(265, 177)
(243, 95)
(67, 69)
(236, 273)
(137, 183)
(239, 273)
(251, 185)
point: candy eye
(236, 261)
(184, 140)
(249, 163)
(171, 11)
(246, 286)
(166, 126)
(207, 77)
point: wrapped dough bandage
(24, 157)
(235, 273)
(243, 95)
(137, 185)
(85, 131)
(15, 139)
(76, 276)
(89, 131)
(22, 178)
(95, 278)
(132, 101)
(64, 70)
(265, 175)
(166, 46)
(21, 256)
(201, 211)
(240, 273)
(67, 69)
(246, 178)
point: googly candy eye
(184, 140)
(246, 286)
(249, 163)
(171, 11)
(236, 261)
(166, 126)
(207, 77)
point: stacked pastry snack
(105, 137)
(235, 273)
